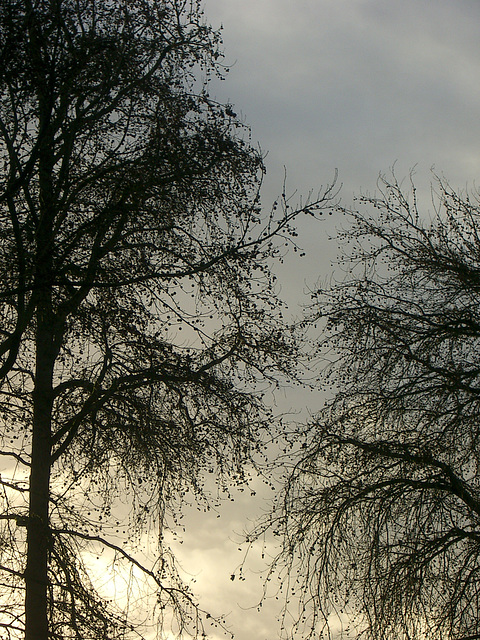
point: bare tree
(380, 516)
(137, 309)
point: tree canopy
(380, 516)
(138, 310)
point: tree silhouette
(137, 308)
(380, 517)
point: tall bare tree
(137, 308)
(380, 516)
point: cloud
(353, 84)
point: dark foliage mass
(380, 517)
(138, 313)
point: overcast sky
(356, 85)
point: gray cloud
(353, 84)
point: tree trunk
(38, 533)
